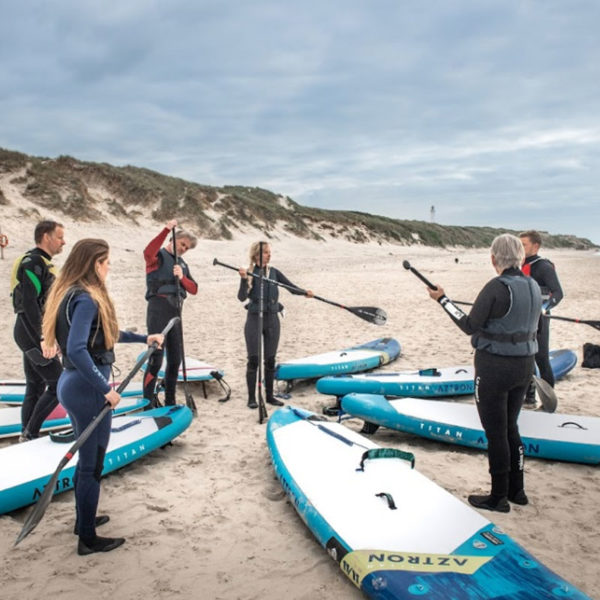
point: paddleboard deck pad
(426, 383)
(363, 357)
(27, 467)
(395, 533)
(554, 436)
(10, 416)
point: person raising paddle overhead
(502, 324)
(161, 293)
(250, 289)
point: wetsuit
(503, 324)
(81, 390)
(271, 326)
(543, 271)
(161, 293)
(33, 276)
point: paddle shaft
(594, 324)
(44, 500)
(424, 279)
(262, 408)
(366, 313)
(189, 400)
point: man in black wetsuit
(544, 273)
(32, 276)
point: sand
(206, 518)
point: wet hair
(508, 251)
(533, 235)
(44, 227)
(79, 271)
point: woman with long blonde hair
(80, 318)
(260, 255)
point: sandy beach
(206, 518)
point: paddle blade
(37, 514)
(370, 314)
(546, 393)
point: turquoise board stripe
(29, 492)
(315, 522)
(386, 349)
(376, 409)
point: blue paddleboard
(10, 416)
(28, 466)
(351, 360)
(395, 533)
(426, 383)
(554, 436)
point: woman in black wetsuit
(80, 317)
(250, 289)
(502, 324)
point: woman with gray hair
(503, 325)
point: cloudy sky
(488, 110)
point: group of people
(71, 314)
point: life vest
(161, 281)
(40, 278)
(514, 334)
(96, 345)
(526, 269)
(270, 294)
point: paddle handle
(424, 279)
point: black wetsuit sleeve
(34, 283)
(545, 275)
(492, 302)
(281, 278)
(243, 290)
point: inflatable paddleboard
(28, 466)
(555, 436)
(10, 416)
(426, 383)
(196, 370)
(351, 360)
(395, 533)
(13, 392)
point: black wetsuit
(81, 389)
(34, 277)
(543, 271)
(270, 328)
(501, 380)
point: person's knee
(252, 363)
(270, 363)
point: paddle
(262, 408)
(371, 314)
(595, 324)
(544, 389)
(36, 515)
(189, 400)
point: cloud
(488, 110)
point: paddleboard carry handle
(389, 498)
(375, 453)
